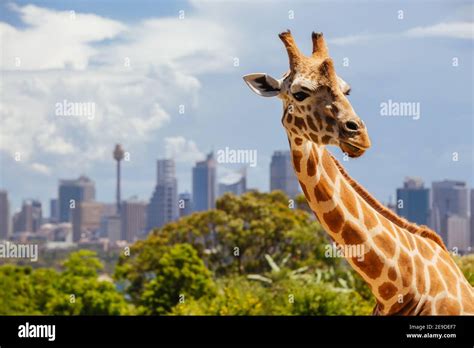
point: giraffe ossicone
(407, 267)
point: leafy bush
(75, 291)
(180, 274)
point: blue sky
(190, 62)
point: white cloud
(62, 58)
(182, 150)
(41, 168)
(354, 39)
(169, 42)
(455, 30)
(54, 39)
(229, 176)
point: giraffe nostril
(351, 126)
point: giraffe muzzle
(355, 146)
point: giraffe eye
(300, 96)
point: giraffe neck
(399, 266)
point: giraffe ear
(343, 86)
(263, 84)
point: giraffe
(407, 267)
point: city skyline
(445, 206)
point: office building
(163, 205)
(72, 192)
(54, 210)
(449, 198)
(4, 215)
(29, 219)
(185, 204)
(458, 233)
(205, 184)
(86, 220)
(133, 219)
(110, 227)
(282, 175)
(413, 201)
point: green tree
(75, 291)
(82, 292)
(17, 294)
(180, 274)
(232, 241)
(466, 264)
(234, 238)
(235, 296)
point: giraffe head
(314, 99)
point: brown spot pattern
(387, 226)
(371, 265)
(386, 244)
(424, 249)
(305, 191)
(420, 275)
(351, 234)
(349, 200)
(311, 165)
(298, 141)
(325, 139)
(334, 219)
(448, 277)
(392, 274)
(406, 307)
(405, 264)
(369, 218)
(323, 191)
(312, 125)
(300, 123)
(435, 284)
(447, 306)
(329, 166)
(297, 155)
(387, 290)
(314, 137)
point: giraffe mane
(423, 231)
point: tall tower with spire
(118, 156)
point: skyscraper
(78, 190)
(413, 201)
(457, 233)
(163, 206)
(4, 215)
(235, 183)
(86, 219)
(30, 217)
(110, 226)
(449, 198)
(54, 210)
(282, 175)
(204, 184)
(133, 216)
(185, 204)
